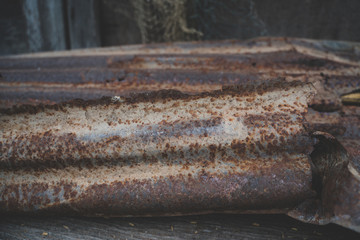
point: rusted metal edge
(188, 67)
(336, 179)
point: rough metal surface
(164, 153)
(188, 67)
(50, 78)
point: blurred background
(41, 25)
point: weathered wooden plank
(83, 23)
(44, 25)
(217, 226)
(127, 22)
(118, 25)
(52, 25)
(31, 26)
(33, 29)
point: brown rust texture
(164, 153)
(192, 68)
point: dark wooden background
(41, 25)
(215, 226)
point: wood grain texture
(83, 24)
(13, 38)
(31, 26)
(219, 226)
(52, 25)
(33, 29)
(118, 25)
(36, 25)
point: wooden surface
(217, 226)
(82, 20)
(31, 26)
(37, 25)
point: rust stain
(149, 154)
(183, 151)
(188, 68)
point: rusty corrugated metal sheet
(188, 67)
(161, 153)
(50, 78)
